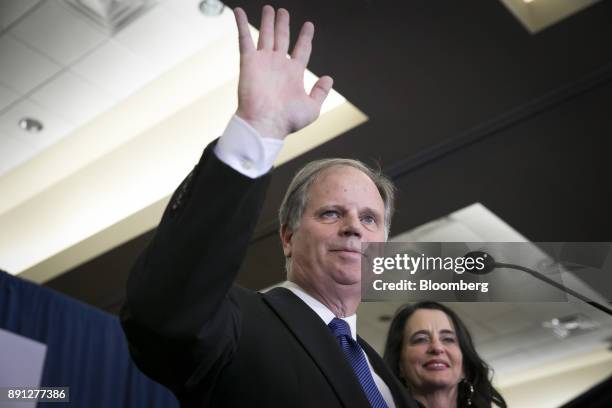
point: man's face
(344, 209)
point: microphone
(490, 264)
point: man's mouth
(353, 251)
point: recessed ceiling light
(562, 327)
(211, 7)
(31, 125)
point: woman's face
(431, 358)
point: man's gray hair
(296, 197)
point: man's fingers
(281, 31)
(321, 89)
(303, 45)
(245, 41)
(266, 29)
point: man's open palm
(271, 95)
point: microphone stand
(492, 264)
(556, 285)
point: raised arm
(179, 316)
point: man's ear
(285, 235)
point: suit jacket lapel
(319, 343)
(399, 392)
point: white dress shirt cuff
(243, 149)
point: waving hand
(271, 95)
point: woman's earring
(470, 392)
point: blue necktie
(356, 357)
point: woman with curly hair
(431, 351)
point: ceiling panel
(7, 96)
(115, 69)
(509, 363)
(205, 29)
(500, 346)
(510, 322)
(54, 127)
(547, 311)
(477, 330)
(64, 41)
(12, 10)
(21, 67)
(73, 98)
(558, 349)
(164, 48)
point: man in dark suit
(218, 345)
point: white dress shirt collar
(319, 308)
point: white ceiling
(64, 70)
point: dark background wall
(464, 105)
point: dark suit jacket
(218, 345)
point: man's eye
(330, 214)
(368, 219)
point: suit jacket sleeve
(179, 317)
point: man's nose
(351, 226)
